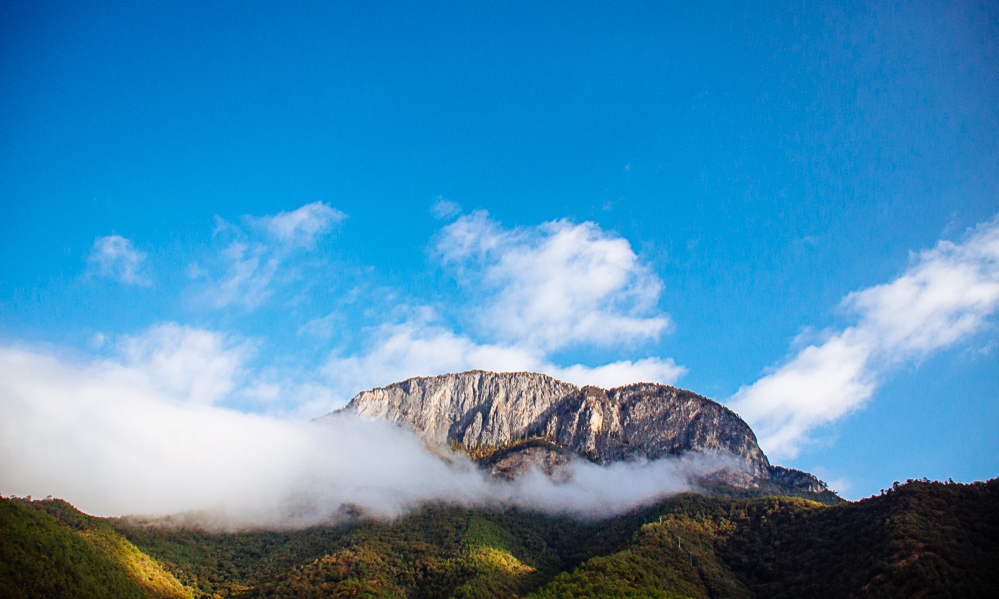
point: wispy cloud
(115, 257)
(300, 228)
(946, 294)
(322, 327)
(554, 285)
(444, 209)
(247, 280)
(254, 259)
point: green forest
(918, 539)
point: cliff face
(475, 408)
(479, 409)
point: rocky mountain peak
(539, 420)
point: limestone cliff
(480, 410)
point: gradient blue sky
(320, 196)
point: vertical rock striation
(474, 408)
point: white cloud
(616, 374)
(301, 227)
(115, 257)
(444, 209)
(945, 295)
(419, 347)
(819, 385)
(554, 285)
(248, 277)
(195, 272)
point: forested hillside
(920, 539)
(49, 549)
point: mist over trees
(917, 539)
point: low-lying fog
(105, 438)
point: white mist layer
(110, 440)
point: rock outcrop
(536, 419)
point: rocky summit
(511, 421)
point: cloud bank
(116, 438)
(945, 295)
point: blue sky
(786, 207)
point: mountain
(919, 539)
(510, 421)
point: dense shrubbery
(919, 539)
